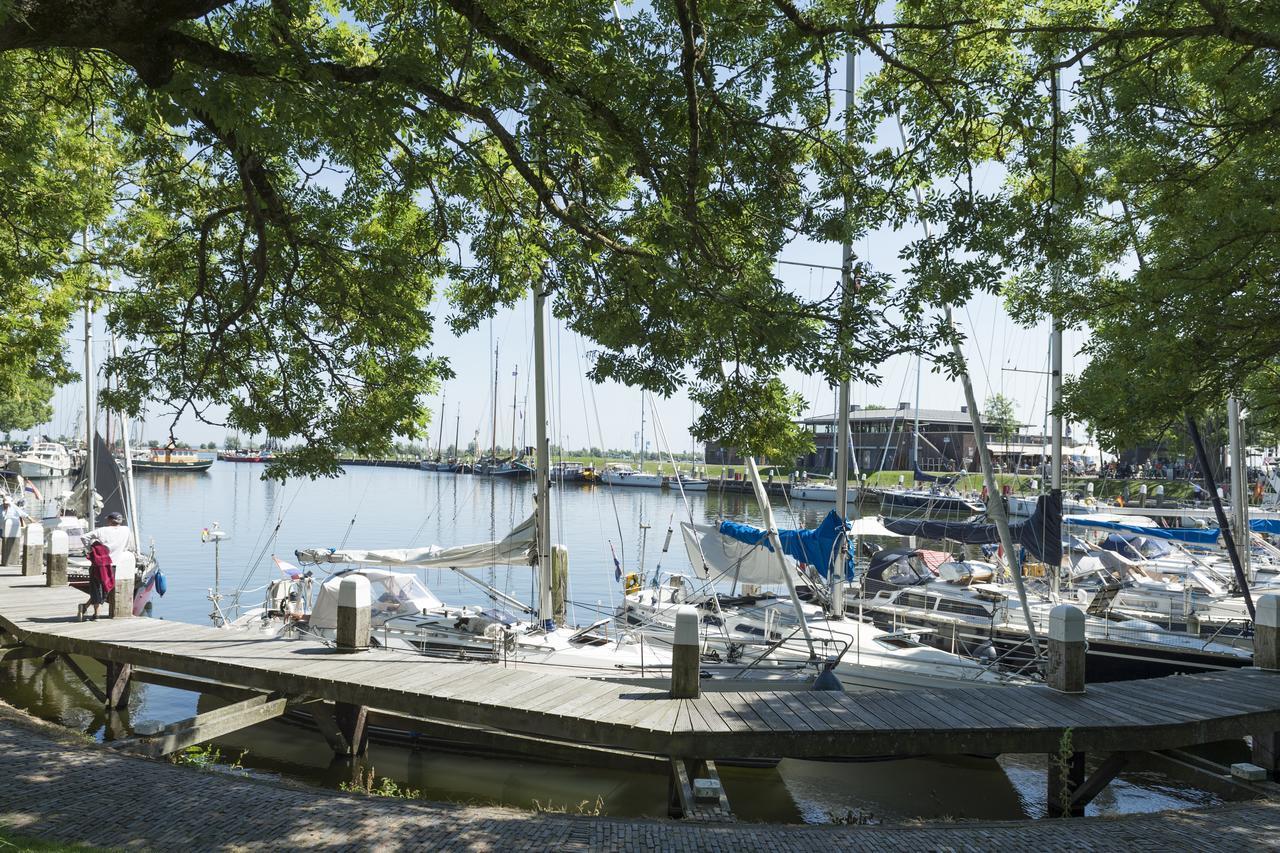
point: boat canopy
(1191, 535)
(1041, 534)
(1136, 547)
(390, 593)
(517, 548)
(743, 553)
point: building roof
(935, 416)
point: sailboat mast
(542, 468)
(1055, 338)
(835, 574)
(515, 393)
(642, 432)
(1239, 484)
(915, 447)
(88, 417)
(457, 434)
(440, 440)
(494, 456)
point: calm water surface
(372, 507)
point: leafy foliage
(278, 190)
(1000, 412)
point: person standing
(113, 562)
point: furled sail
(517, 548)
(1041, 534)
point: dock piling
(354, 603)
(55, 559)
(684, 655)
(11, 555)
(1065, 670)
(120, 599)
(33, 549)
(1266, 655)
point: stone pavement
(57, 786)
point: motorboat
(44, 460)
(170, 459)
(689, 484)
(624, 475)
(821, 493)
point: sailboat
(618, 474)
(407, 614)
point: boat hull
(171, 467)
(821, 494)
(36, 470)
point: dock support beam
(119, 678)
(682, 800)
(55, 559)
(684, 655)
(207, 726)
(1065, 672)
(1066, 779)
(1266, 655)
(33, 550)
(352, 722)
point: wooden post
(1266, 655)
(55, 559)
(1266, 633)
(1065, 671)
(120, 599)
(33, 549)
(352, 722)
(684, 655)
(559, 581)
(119, 677)
(354, 606)
(11, 555)
(1066, 775)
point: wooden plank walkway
(1143, 715)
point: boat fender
(162, 585)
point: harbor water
(376, 507)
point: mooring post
(684, 654)
(354, 605)
(559, 581)
(1266, 655)
(32, 549)
(55, 558)
(120, 599)
(11, 555)
(352, 721)
(1065, 669)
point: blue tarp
(815, 547)
(1192, 535)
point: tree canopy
(275, 191)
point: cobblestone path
(57, 786)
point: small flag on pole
(35, 493)
(617, 567)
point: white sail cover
(516, 549)
(392, 594)
(869, 526)
(718, 557)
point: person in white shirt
(14, 509)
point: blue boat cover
(1192, 535)
(815, 547)
(1041, 534)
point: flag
(35, 493)
(289, 570)
(617, 567)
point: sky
(1002, 358)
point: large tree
(277, 189)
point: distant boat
(169, 459)
(246, 456)
(825, 492)
(45, 459)
(625, 475)
(689, 484)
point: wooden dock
(1117, 718)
